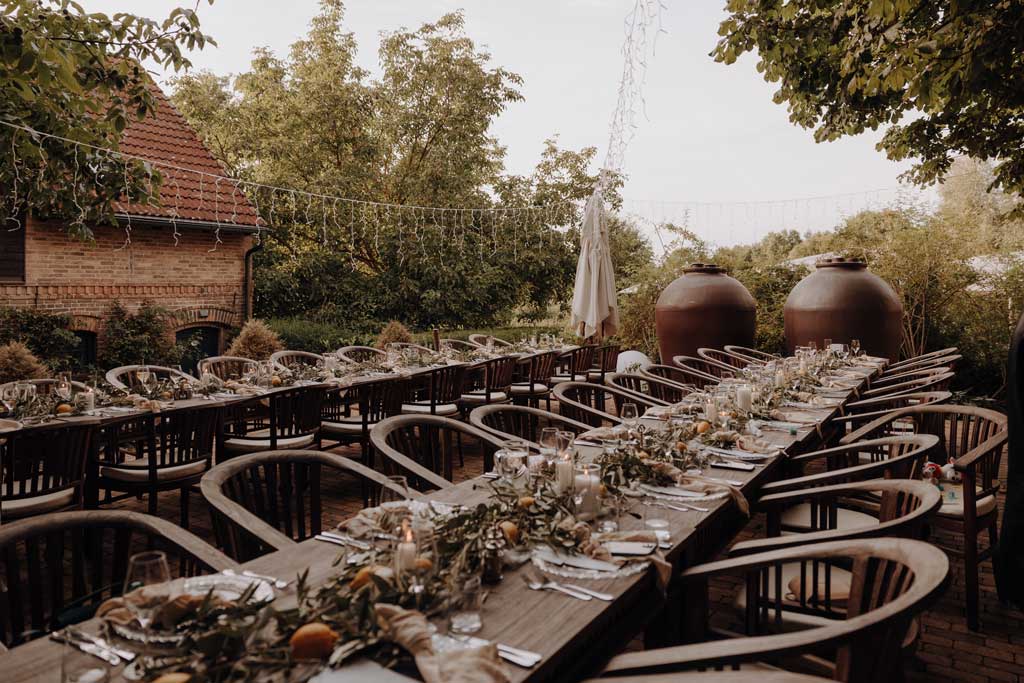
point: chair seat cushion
(527, 388)
(798, 517)
(348, 426)
(254, 442)
(840, 583)
(424, 409)
(481, 397)
(36, 505)
(955, 507)
(558, 379)
(139, 471)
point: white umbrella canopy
(595, 308)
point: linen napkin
(698, 484)
(601, 433)
(662, 567)
(410, 630)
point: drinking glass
(630, 415)
(63, 387)
(566, 444)
(510, 461)
(466, 616)
(827, 346)
(549, 444)
(654, 518)
(855, 347)
(26, 392)
(388, 495)
(146, 378)
(80, 667)
(148, 574)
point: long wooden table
(575, 637)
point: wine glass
(630, 416)
(390, 495)
(855, 347)
(145, 377)
(148, 578)
(63, 387)
(549, 444)
(566, 444)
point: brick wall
(66, 275)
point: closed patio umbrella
(595, 308)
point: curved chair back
(126, 376)
(289, 359)
(226, 367)
(723, 358)
(890, 581)
(861, 412)
(671, 373)
(420, 447)
(268, 501)
(460, 345)
(374, 400)
(606, 359)
(949, 361)
(574, 364)
(950, 351)
(698, 371)
(749, 354)
(494, 378)
(588, 403)
(484, 339)
(659, 390)
(359, 354)
(440, 386)
(916, 373)
(887, 457)
(520, 422)
(540, 367)
(410, 345)
(930, 383)
(282, 418)
(43, 469)
(58, 568)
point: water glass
(566, 445)
(549, 444)
(391, 495)
(79, 667)
(147, 573)
(510, 463)
(654, 518)
(466, 615)
(630, 415)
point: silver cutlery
(274, 581)
(607, 597)
(123, 653)
(108, 656)
(727, 482)
(347, 540)
(678, 507)
(540, 586)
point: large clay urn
(703, 308)
(842, 300)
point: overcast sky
(712, 134)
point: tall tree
(78, 76)
(954, 68)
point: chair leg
(971, 579)
(152, 501)
(184, 507)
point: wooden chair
(949, 361)
(605, 361)
(916, 385)
(587, 403)
(733, 360)
(649, 387)
(410, 345)
(493, 383)
(176, 450)
(712, 366)
(891, 582)
(974, 439)
(460, 345)
(521, 422)
(126, 376)
(226, 367)
(292, 359)
(435, 391)
(749, 354)
(282, 419)
(897, 367)
(420, 447)
(678, 375)
(859, 413)
(484, 339)
(264, 502)
(573, 365)
(43, 469)
(699, 371)
(533, 385)
(916, 373)
(58, 568)
(359, 354)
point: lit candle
(780, 379)
(405, 554)
(563, 475)
(587, 487)
(711, 409)
(744, 398)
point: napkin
(752, 444)
(662, 567)
(698, 484)
(411, 630)
(603, 433)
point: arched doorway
(201, 341)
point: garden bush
(394, 332)
(142, 337)
(17, 362)
(256, 341)
(47, 335)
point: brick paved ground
(947, 650)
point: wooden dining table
(574, 637)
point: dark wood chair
(282, 419)
(175, 452)
(974, 438)
(421, 448)
(949, 361)
(435, 391)
(288, 359)
(916, 373)
(532, 385)
(409, 345)
(930, 383)
(43, 469)
(484, 339)
(588, 403)
(649, 387)
(521, 422)
(488, 382)
(701, 370)
(126, 377)
(903, 364)
(891, 582)
(265, 502)
(359, 354)
(460, 345)
(58, 568)
(722, 357)
(226, 367)
(678, 375)
(573, 365)
(857, 413)
(748, 354)
(606, 359)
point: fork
(678, 507)
(548, 585)
(540, 578)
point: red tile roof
(166, 138)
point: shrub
(47, 335)
(255, 341)
(17, 362)
(140, 338)
(393, 332)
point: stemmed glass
(549, 444)
(148, 575)
(146, 378)
(390, 495)
(63, 387)
(855, 347)
(630, 416)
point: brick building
(205, 284)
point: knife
(347, 540)
(85, 646)
(580, 561)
